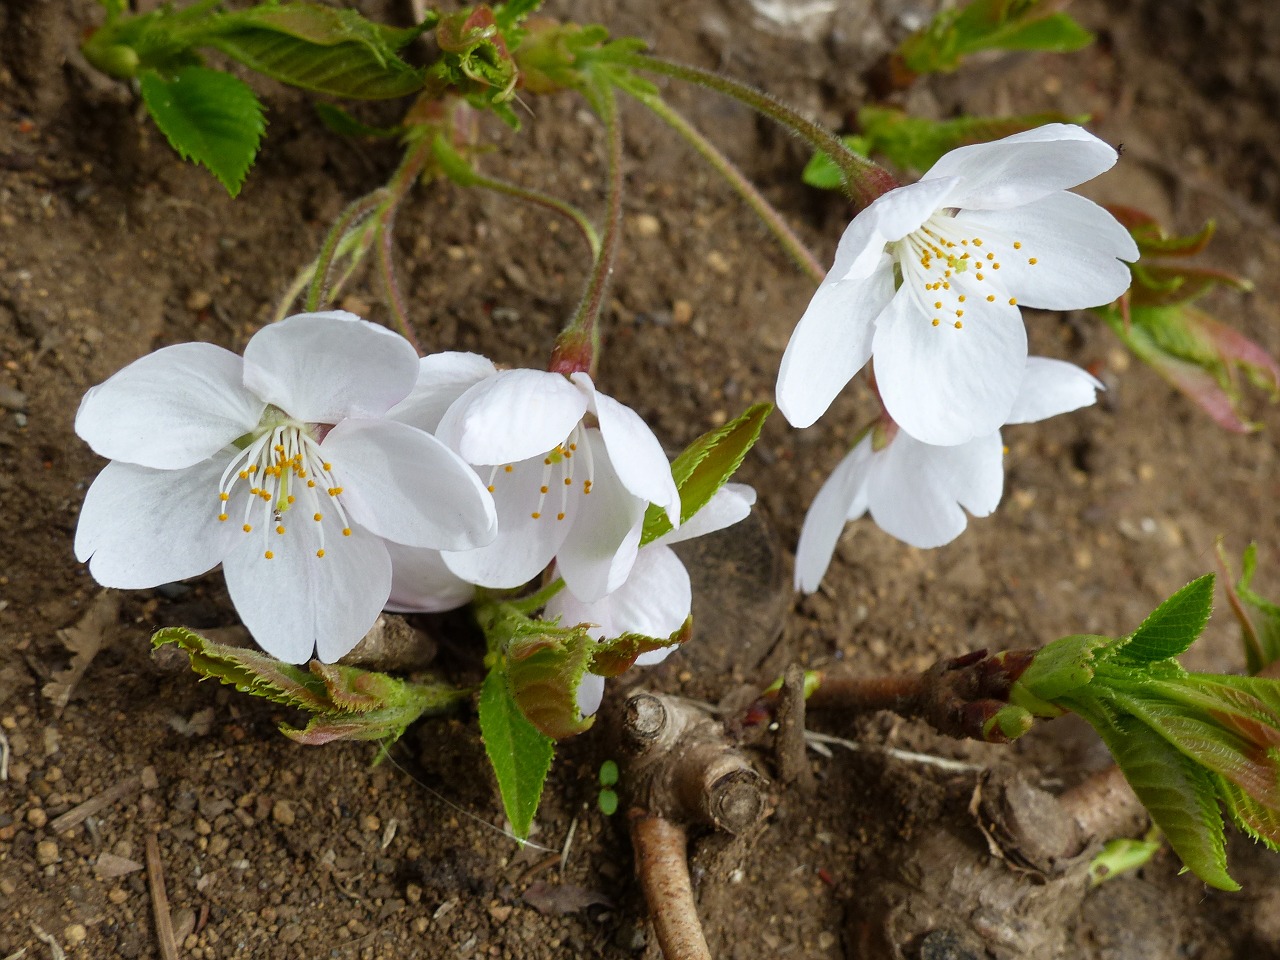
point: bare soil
(110, 247)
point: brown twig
(663, 865)
(77, 814)
(793, 759)
(160, 900)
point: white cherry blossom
(929, 279)
(571, 470)
(656, 597)
(281, 466)
(919, 492)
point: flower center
(282, 466)
(558, 469)
(947, 265)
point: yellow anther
(1017, 244)
(559, 516)
(937, 305)
(573, 446)
(936, 321)
(977, 241)
(327, 466)
(280, 529)
(247, 528)
(244, 474)
(991, 256)
(311, 483)
(346, 531)
(978, 276)
(269, 555)
(224, 497)
(508, 468)
(222, 516)
(568, 481)
(959, 324)
(290, 498)
(278, 448)
(1032, 260)
(991, 298)
(542, 489)
(317, 517)
(320, 552)
(961, 298)
(536, 515)
(1013, 302)
(995, 266)
(491, 488)
(959, 313)
(1005, 450)
(546, 461)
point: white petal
(842, 498)
(403, 484)
(512, 416)
(297, 603)
(1077, 245)
(654, 601)
(889, 218)
(727, 506)
(141, 527)
(635, 453)
(421, 583)
(590, 694)
(943, 385)
(170, 409)
(597, 555)
(1050, 387)
(915, 490)
(442, 379)
(832, 342)
(524, 545)
(1023, 167)
(324, 367)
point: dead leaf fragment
(560, 898)
(84, 640)
(109, 866)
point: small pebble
(118, 895)
(46, 853)
(646, 225)
(682, 312)
(37, 817)
(371, 823)
(282, 813)
(74, 934)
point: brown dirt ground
(110, 248)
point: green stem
(583, 326)
(387, 274)
(355, 212)
(786, 237)
(538, 198)
(863, 180)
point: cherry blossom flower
(656, 597)
(282, 467)
(571, 470)
(916, 491)
(928, 280)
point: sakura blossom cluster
(927, 285)
(332, 473)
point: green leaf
(1268, 632)
(1056, 33)
(614, 656)
(608, 773)
(1173, 626)
(1179, 794)
(824, 173)
(607, 801)
(335, 52)
(1258, 821)
(208, 116)
(706, 465)
(520, 755)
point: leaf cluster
(1188, 743)
(954, 34)
(346, 703)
